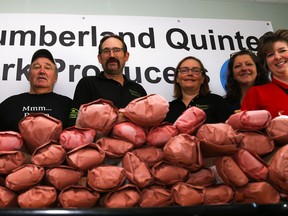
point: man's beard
(112, 60)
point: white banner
(156, 45)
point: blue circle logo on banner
(223, 74)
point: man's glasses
(194, 70)
(115, 50)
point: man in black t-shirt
(42, 76)
(111, 84)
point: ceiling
(261, 1)
(273, 1)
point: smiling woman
(244, 71)
(191, 88)
(273, 54)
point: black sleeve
(143, 91)
(82, 95)
(175, 110)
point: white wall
(220, 9)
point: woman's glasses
(194, 70)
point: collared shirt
(271, 97)
(213, 105)
(91, 88)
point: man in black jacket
(111, 84)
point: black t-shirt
(91, 88)
(16, 107)
(213, 105)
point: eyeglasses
(194, 70)
(115, 50)
(242, 52)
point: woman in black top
(191, 89)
